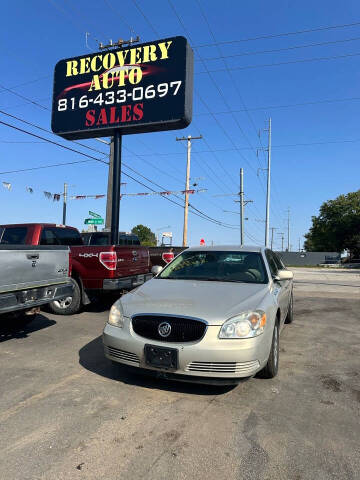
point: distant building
(299, 259)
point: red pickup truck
(95, 269)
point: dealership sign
(142, 88)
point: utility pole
(272, 235)
(288, 230)
(267, 221)
(187, 183)
(64, 203)
(242, 205)
(282, 240)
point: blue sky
(315, 146)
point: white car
(213, 315)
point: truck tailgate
(130, 260)
(24, 266)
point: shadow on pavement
(11, 327)
(91, 357)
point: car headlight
(246, 325)
(116, 315)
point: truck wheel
(68, 305)
(271, 368)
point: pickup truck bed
(33, 276)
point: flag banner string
(55, 197)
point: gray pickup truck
(32, 276)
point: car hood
(214, 302)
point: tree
(146, 236)
(337, 227)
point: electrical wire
(146, 19)
(204, 215)
(277, 35)
(289, 105)
(315, 59)
(260, 52)
(120, 16)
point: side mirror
(284, 275)
(156, 269)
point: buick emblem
(164, 329)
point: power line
(316, 59)
(222, 96)
(146, 19)
(24, 98)
(276, 35)
(51, 141)
(220, 93)
(259, 52)
(27, 83)
(120, 16)
(43, 166)
(204, 215)
(271, 107)
(232, 79)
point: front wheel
(68, 305)
(271, 368)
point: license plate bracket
(161, 357)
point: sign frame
(73, 77)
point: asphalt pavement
(66, 414)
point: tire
(290, 315)
(271, 368)
(68, 305)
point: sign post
(115, 210)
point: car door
(279, 287)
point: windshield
(242, 267)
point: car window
(222, 266)
(278, 261)
(68, 236)
(13, 235)
(48, 237)
(271, 261)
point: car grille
(122, 355)
(222, 367)
(182, 329)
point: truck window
(48, 237)
(13, 235)
(99, 238)
(68, 236)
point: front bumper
(126, 283)
(208, 358)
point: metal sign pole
(115, 208)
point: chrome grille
(223, 367)
(122, 355)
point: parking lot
(66, 414)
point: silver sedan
(213, 315)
